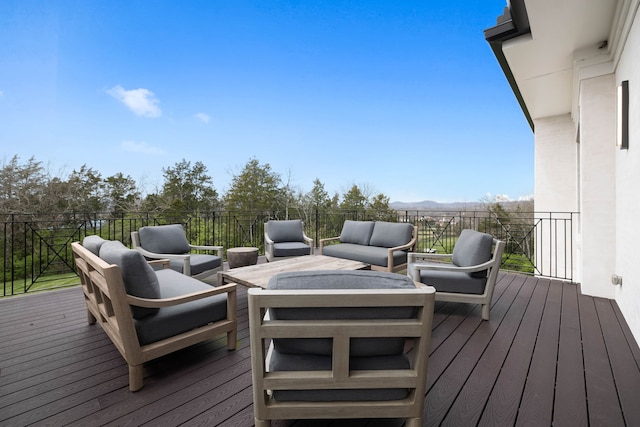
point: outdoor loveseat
(148, 313)
(383, 245)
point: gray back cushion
(339, 279)
(164, 239)
(391, 234)
(358, 232)
(472, 248)
(285, 231)
(93, 243)
(139, 278)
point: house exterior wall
(556, 189)
(627, 191)
(597, 178)
(582, 64)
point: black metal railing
(36, 253)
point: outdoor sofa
(383, 245)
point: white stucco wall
(628, 190)
(597, 184)
(556, 155)
(556, 189)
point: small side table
(243, 256)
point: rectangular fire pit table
(258, 275)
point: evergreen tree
(255, 189)
(187, 188)
(122, 193)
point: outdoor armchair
(467, 275)
(341, 344)
(170, 242)
(286, 239)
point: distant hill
(431, 205)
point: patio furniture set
(329, 336)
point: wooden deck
(547, 356)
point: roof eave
(514, 22)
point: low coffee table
(259, 275)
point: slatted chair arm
(419, 256)
(164, 262)
(206, 248)
(155, 255)
(168, 302)
(449, 267)
(323, 242)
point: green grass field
(46, 283)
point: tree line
(30, 188)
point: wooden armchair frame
(184, 258)
(269, 245)
(109, 305)
(416, 262)
(262, 330)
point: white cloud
(204, 118)
(1, 94)
(141, 101)
(141, 147)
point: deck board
(504, 398)
(444, 392)
(603, 404)
(536, 401)
(545, 349)
(626, 375)
(570, 387)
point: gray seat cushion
(357, 232)
(290, 249)
(391, 234)
(472, 248)
(170, 321)
(285, 231)
(139, 278)
(368, 254)
(453, 281)
(164, 239)
(93, 243)
(199, 263)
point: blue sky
(403, 97)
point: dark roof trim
(513, 22)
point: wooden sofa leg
(413, 422)
(91, 319)
(231, 339)
(136, 377)
(262, 423)
(485, 311)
